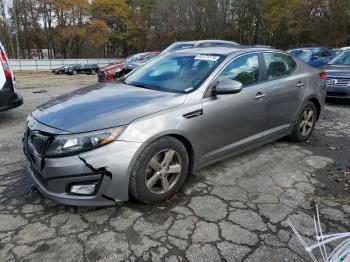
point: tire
(302, 130)
(60, 72)
(144, 172)
(93, 72)
(75, 73)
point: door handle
(259, 96)
(300, 84)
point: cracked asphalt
(235, 210)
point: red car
(108, 73)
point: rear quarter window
(279, 65)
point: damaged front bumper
(57, 189)
(108, 168)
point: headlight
(65, 145)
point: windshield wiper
(140, 85)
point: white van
(8, 97)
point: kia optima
(142, 136)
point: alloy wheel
(307, 122)
(163, 171)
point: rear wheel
(159, 171)
(93, 72)
(305, 123)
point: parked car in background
(109, 73)
(339, 50)
(9, 99)
(199, 43)
(338, 75)
(315, 56)
(128, 67)
(60, 70)
(88, 69)
(109, 64)
(181, 111)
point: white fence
(48, 64)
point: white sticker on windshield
(207, 58)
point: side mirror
(227, 86)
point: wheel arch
(188, 147)
(182, 138)
(317, 104)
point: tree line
(113, 28)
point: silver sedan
(177, 113)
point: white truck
(9, 99)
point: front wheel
(305, 123)
(159, 171)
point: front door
(234, 119)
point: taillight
(323, 75)
(5, 65)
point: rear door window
(322, 53)
(279, 65)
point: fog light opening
(84, 189)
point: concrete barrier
(49, 64)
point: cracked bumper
(109, 167)
(61, 184)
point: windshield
(342, 59)
(179, 73)
(300, 53)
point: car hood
(103, 106)
(337, 70)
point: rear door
(286, 88)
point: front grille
(38, 144)
(338, 82)
(38, 141)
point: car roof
(222, 50)
(197, 42)
(310, 48)
(146, 53)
